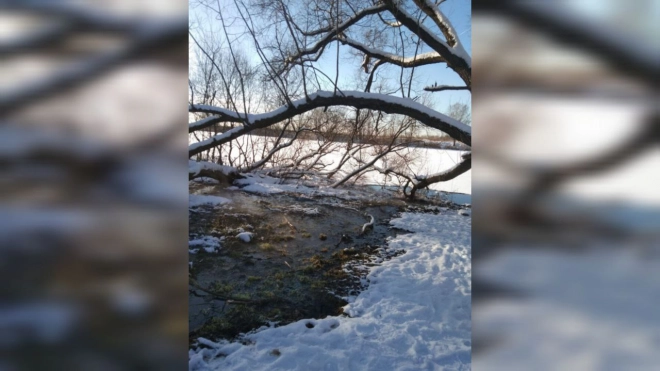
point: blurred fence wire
(93, 212)
(566, 201)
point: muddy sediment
(306, 253)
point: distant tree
(461, 112)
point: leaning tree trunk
(450, 174)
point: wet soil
(305, 256)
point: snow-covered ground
(316, 186)
(427, 161)
(415, 314)
(196, 200)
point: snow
(195, 167)
(415, 314)
(261, 184)
(426, 161)
(199, 200)
(458, 51)
(208, 243)
(381, 54)
(254, 119)
(264, 185)
(244, 236)
(401, 101)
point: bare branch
(379, 102)
(332, 33)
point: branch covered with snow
(357, 99)
(436, 88)
(200, 169)
(456, 57)
(414, 61)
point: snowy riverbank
(415, 314)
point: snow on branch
(435, 88)
(440, 20)
(457, 58)
(197, 167)
(391, 24)
(203, 169)
(414, 61)
(450, 51)
(357, 99)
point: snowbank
(415, 315)
(196, 167)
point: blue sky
(458, 11)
